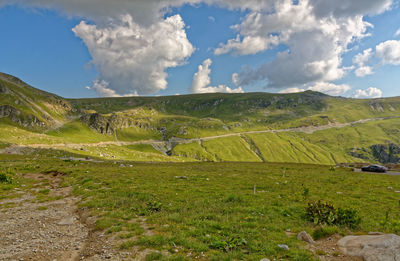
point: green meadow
(218, 211)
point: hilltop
(308, 127)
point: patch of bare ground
(328, 250)
(57, 229)
(35, 230)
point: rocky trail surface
(56, 229)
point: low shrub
(4, 178)
(326, 214)
(228, 244)
(154, 206)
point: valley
(193, 177)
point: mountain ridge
(246, 126)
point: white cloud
(363, 71)
(360, 60)
(330, 88)
(247, 45)
(292, 90)
(317, 34)
(371, 92)
(131, 58)
(201, 81)
(211, 19)
(389, 52)
(397, 33)
(324, 87)
(101, 87)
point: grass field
(214, 214)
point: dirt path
(175, 141)
(42, 231)
(57, 229)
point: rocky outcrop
(386, 153)
(108, 124)
(372, 247)
(4, 89)
(7, 111)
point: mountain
(30, 107)
(307, 127)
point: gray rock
(304, 236)
(67, 221)
(180, 177)
(372, 247)
(265, 259)
(284, 247)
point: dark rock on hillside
(4, 89)
(16, 116)
(108, 124)
(386, 153)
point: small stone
(66, 221)
(284, 247)
(181, 177)
(304, 236)
(265, 259)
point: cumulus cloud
(133, 59)
(292, 90)
(363, 71)
(389, 52)
(101, 87)
(201, 81)
(330, 88)
(360, 60)
(324, 87)
(316, 33)
(247, 45)
(371, 92)
(145, 12)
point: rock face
(372, 247)
(304, 236)
(108, 124)
(386, 153)
(16, 116)
(4, 89)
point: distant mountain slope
(30, 107)
(308, 127)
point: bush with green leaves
(228, 244)
(4, 178)
(325, 213)
(154, 206)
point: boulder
(372, 247)
(284, 247)
(304, 236)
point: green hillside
(307, 127)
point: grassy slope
(324, 147)
(77, 132)
(45, 106)
(216, 203)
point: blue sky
(39, 46)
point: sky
(102, 48)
